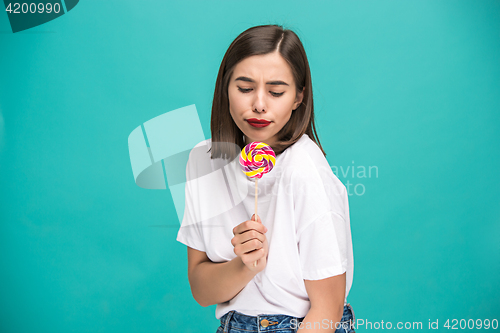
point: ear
(298, 99)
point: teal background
(411, 87)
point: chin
(266, 140)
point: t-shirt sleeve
(323, 247)
(190, 232)
(321, 217)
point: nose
(259, 103)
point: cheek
(236, 102)
(231, 97)
(234, 106)
(285, 108)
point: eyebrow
(274, 83)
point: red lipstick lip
(258, 122)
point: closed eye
(247, 90)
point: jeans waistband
(270, 322)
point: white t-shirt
(301, 202)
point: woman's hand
(250, 243)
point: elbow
(195, 292)
(199, 299)
(201, 302)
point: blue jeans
(236, 322)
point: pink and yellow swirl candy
(257, 159)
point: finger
(257, 226)
(258, 218)
(249, 225)
(250, 258)
(244, 226)
(247, 236)
(252, 246)
(248, 247)
(252, 234)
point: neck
(247, 141)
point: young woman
(302, 244)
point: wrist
(244, 268)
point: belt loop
(226, 324)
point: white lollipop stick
(256, 182)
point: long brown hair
(260, 40)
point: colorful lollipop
(257, 159)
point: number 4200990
(32, 8)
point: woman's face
(262, 88)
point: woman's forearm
(213, 283)
(317, 321)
